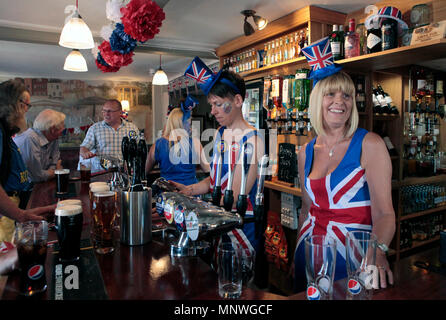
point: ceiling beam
(52, 38)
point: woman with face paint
(346, 173)
(225, 95)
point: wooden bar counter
(148, 272)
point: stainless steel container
(136, 217)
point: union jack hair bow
(320, 59)
(205, 78)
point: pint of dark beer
(69, 227)
(104, 209)
(62, 177)
(85, 170)
(31, 241)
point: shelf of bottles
(422, 152)
(275, 51)
(420, 231)
(286, 98)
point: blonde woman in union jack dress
(346, 173)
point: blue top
(177, 163)
(18, 177)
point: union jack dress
(245, 236)
(340, 203)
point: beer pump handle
(228, 199)
(142, 154)
(242, 202)
(216, 193)
(259, 207)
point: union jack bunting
(198, 71)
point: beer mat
(431, 267)
(71, 192)
(78, 280)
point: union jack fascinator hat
(205, 78)
(320, 59)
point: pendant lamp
(75, 61)
(76, 34)
(160, 77)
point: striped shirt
(102, 139)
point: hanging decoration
(138, 21)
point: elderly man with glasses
(104, 138)
(39, 146)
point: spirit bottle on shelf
(335, 43)
(374, 38)
(351, 42)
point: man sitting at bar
(39, 146)
(104, 138)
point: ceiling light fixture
(160, 77)
(75, 61)
(76, 34)
(258, 20)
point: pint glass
(62, 178)
(362, 272)
(85, 170)
(104, 214)
(31, 241)
(320, 263)
(69, 227)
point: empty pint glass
(69, 221)
(229, 270)
(104, 209)
(362, 272)
(320, 262)
(31, 241)
(62, 179)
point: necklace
(330, 152)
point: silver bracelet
(384, 248)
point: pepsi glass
(31, 241)
(320, 263)
(360, 260)
(69, 221)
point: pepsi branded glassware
(31, 241)
(320, 263)
(361, 269)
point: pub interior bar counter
(149, 272)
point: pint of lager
(104, 210)
(69, 221)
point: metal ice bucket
(136, 217)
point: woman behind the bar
(14, 103)
(225, 93)
(346, 173)
(176, 152)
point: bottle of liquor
(286, 49)
(360, 95)
(342, 38)
(377, 101)
(361, 31)
(301, 42)
(291, 48)
(296, 45)
(374, 38)
(388, 108)
(335, 43)
(281, 53)
(351, 42)
(389, 29)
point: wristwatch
(384, 248)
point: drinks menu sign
(433, 31)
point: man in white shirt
(104, 138)
(39, 146)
